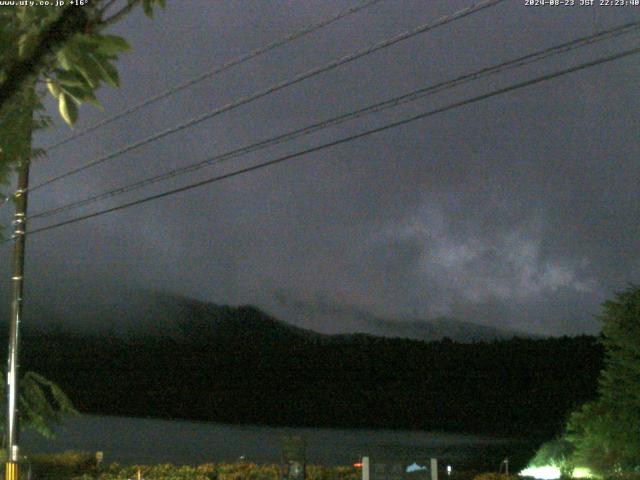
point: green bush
(60, 465)
(82, 466)
(243, 471)
(315, 472)
(622, 476)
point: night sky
(519, 211)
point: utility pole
(17, 283)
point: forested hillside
(239, 365)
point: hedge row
(81, 466)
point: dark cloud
(518, 211)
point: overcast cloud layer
(520, 211)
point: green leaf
(84, 41)
(112, 45)
(54, 88)
(63, 59)
(147, 8)
(78, 95)
(14, 123)
(90, 71)
(71, 79)
(42, 403)
(68, 109)
(79, 60)
(81, 95)
(109, 73)
(24, 44)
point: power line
(377, 107)
(350, 138)
(476, 7)
(236, 61)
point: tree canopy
(604, 434)
(62, 48)
(66, 50)
(41, 403)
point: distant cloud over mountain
(331, 318)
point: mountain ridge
(358, 320)
(250, 368)
(175, 309)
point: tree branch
(72, 20)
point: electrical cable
(380, 106)
(350, 138)
(476, 7)
(232, 63)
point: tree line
(255, 370)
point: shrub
(623, 476)
(61, 465)
(81, 466)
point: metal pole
(365, 468)
(17, 283)
(434, 469)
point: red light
(357, 465)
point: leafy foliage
(81, 466)
(556, 453)
(41, 403)
(62, 465)
(83, 63)
(16, 125)
(604, 433)
(73, 71)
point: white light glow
(581, 472)
(545, 473)
(549, 472)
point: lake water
(144, 441)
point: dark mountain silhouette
(238, 364)
(188, 319)
(345, 318)
(185, 316)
